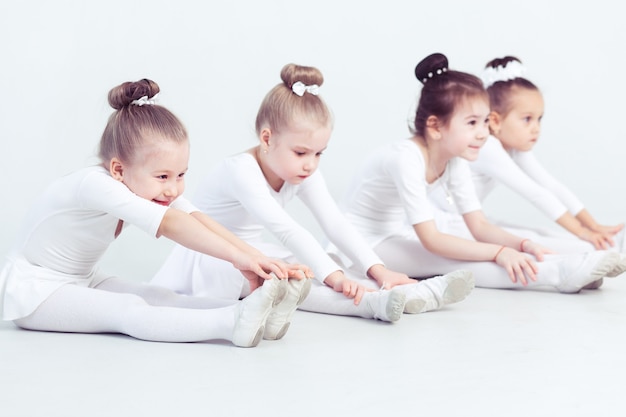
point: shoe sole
(257, 337)
(618, 269)
(395, 306)
(304, 292)
(414, 306)
(460, 285)
(604, 266)
(281, 292)
(610, 264)
(595, 284)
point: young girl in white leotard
(517, 109)
(51, 280)
(248, 191)
(407, 196)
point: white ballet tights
(213, 276)
(323, 299)
(557, 242)
(410, 257)
(138, 310)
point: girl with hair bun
(248, 192)
(517, 109)
(51, 281)
(415, 202)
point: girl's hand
(600, 241)
(256, 268)
(386, 278)
(601, 237)
(607, 230)
(519, 266)
(351, 289)
(299, 271)
(535, 249)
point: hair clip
(145, 100)
(437, 72)
(512, 70)
(300, 88)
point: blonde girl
(248, 193)
(415, 202)
(51, 281)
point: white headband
(512, 70)
(300, 88)
(145, 100)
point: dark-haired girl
(517, 109)
(407, 197)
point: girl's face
(293, 154)
(467, 130)
(519, 129)
(157, 174)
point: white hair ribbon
(145, 100)
(512, 70)
(300, 88)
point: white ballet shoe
(434, 293)
(617, 270)
(579, 271)
(619, 267)
(385, 305)
(252, 312)
(279, 319)
(594, 285)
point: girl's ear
(116, 169)
(494, 122)
(265, 136)
(433, 127)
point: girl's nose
(171, 191)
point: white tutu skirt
(24, 286)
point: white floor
(498, 353)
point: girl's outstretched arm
(600, 236)
(291, 270)
(223, 232)
(492, 244)
(188, 231)
(387, 278)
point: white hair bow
(300, 88)
(512, 70)
(145, 100)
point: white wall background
(216, 60)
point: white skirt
(24, 286)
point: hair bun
(124, 94)
(292, 73)
(502, 62)
(431, 66)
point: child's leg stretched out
(73, 308)
(565, 273)
(160, 296)
(382, 305)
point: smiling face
(467, 130)
(292, 154)
(519, 129)
(157, 173)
